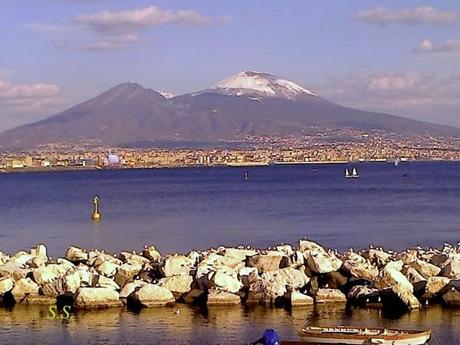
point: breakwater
(283, 275)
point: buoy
(96, 214)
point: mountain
(248, 103)
(127, 112)
(261, 84)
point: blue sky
(400, 57)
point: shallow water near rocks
(194, 326)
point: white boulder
(298, 299)
(177, 284)
(217, 297)
(45, 274)
(323, 262)
(177, 265)
(6, 284)
(151, 253)
(330, 296)
(426, 269)
(76, 254)
(23, 287)
(452, 270)
(107, 268)
(359, 267)
(151, 295)
(226, 279)
(130, 287)
(89, 297)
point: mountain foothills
(248, 103)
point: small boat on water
(361, 335)
(354, 173)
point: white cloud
(112, 42)
(449, 46)
(418, 15)
(10, 91)
(391, 82)
(111, 30)
(430, 97)
(22, 103)
(130, 21)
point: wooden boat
(361, 335)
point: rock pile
(282, 275)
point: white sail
(355, 172)
(347, 173)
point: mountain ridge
(248, 103)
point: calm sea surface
(181, 209)
(196, 208)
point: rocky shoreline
(283, 275)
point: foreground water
(182, 209)
(220, 325)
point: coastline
(241, 165)
(305, 275)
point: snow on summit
(264, 84)
(166, 94)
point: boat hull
(352, 336)
(413, 341)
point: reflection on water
(218, 325)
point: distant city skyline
(391, 56)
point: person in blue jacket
(270, 337)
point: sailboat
(354, 173)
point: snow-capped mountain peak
(261, 84)
(167, 94)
